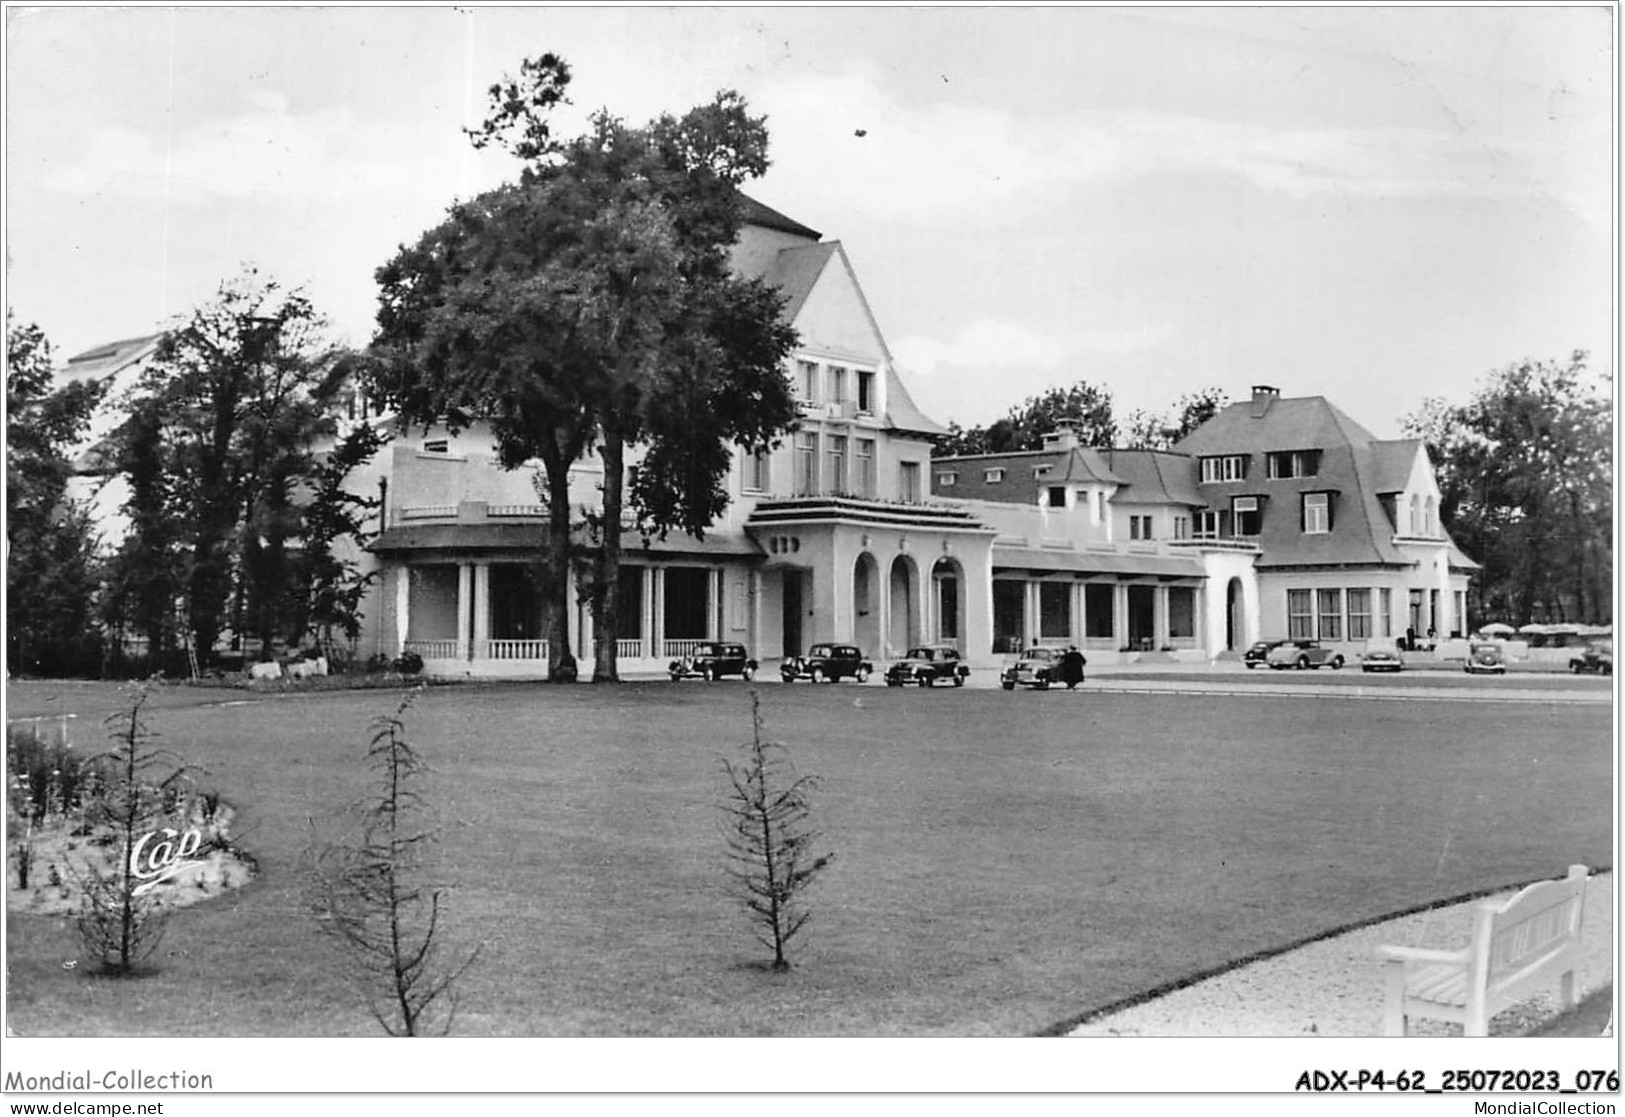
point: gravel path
(1335, 987)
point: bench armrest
(1419, 954)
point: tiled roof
(795, 271)
(755, 213)
(1391, 463)
(1078, 465)
(1155, 477)
(93, 364)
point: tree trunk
(607, 575)
(555, 561)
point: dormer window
(1317, 513)
(1286, 464)
(1230, 467)
(866, 392)
(1245, 515)
(1040, 471)
(993, 476)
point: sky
(1373, 204)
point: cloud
(929, 162)
(266, 154)
(988, 345)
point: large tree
(1084, 406)
(1525, 471)
(1156, 431)
(50, 574)
(221, 455)
(590, 306)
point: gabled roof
(1306, 423)
(104, 360)
(1074, 465)
(755, 213)
(795, 271)
(1155, 477)
(1391, 461)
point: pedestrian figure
(1072, 664)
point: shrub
(407, 663)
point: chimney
(1263, 396)
(1063, 437)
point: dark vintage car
(1597, 659)
(1386, 657)
(1303, 654)
(1039, 668)
(827, 663)
(1486, 659)
(925, 664)
(713, 661)
(1259, 652)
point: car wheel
(1251, 665)
(818, 675)
(1337, 663)
(1008, 686)
(676, 676)
(1303, 663)
(748, 674)
(925, 680)
(892, 682)
(1043, 684)
(863, 675)
(959, 680)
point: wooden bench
(1519, 946)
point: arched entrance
(948, 602)
(1234, 622)
(905, 620)
(866, 604)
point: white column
(1029, 613)
(1120, 613)
(482, 610)
(657, 575)
(646, 629)
(403, 606)
(1159, 621)
(713, 589)
(465, 595)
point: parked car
(1597, 659)
(827, 663)
(1260, 652)
(1386, 658)
(1303, 654)
(1038, 668)
(925, 664)
(713, 661)
(1486, 659)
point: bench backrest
(1538, 923)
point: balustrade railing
(629, 649)
(433, 649)
(516, 649)
(682, 647)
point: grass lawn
(1004, 861)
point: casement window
(1182, 527)
(1207, 524)
(1458, 619)
(756, 472)
(807, 381)
(1286, 464)
(1230, 467)
(837, 384)
(1416, 514)
(1040, 471)
(948, 477)
(908, 482)
(866, 392)
(865, 462)
(1245, 515)
(1057, 496)
(1359, 614)
(993, 476)
(1139, 527)
(1317, 513)
(806, 463)
(835, 468)
(1430, 518)
(1300, 616)
(1385, 611)
(1331, 614)
(1100, 507)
